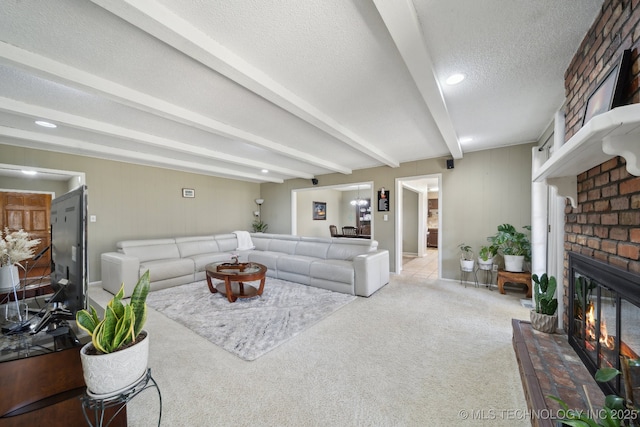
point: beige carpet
(416, 353)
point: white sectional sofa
(352, 266)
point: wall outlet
(92, 218)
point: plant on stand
(466, 257)
(118, 353)
(544, 317)
(486, 256)
(15, 247)
(513, 245)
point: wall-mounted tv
(69, 275)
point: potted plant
(15, 247)
(259, 226)
(466, 257)
(544, 317)
(513, 245)
(617, 411)
(486, 256)
(118, 353)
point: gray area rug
(248, 327)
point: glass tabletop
(234, 269)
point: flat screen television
(69, 275)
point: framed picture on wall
(610, 92)
(319, 210)
(383, 200)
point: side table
(513, 277)
(94, 407)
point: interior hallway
(425, 267)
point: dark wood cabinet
(45, 390)
(432, 238)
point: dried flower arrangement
(16, 247)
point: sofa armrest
(371, 272)
(118, 268)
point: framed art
(188, 192)
(383, 201)
(610, 91)
(319, 210)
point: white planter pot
(7, 272)
(514, 263)
(485, 265)
(466, 265)
(543, 322)
(108, 374)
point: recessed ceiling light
(45, 124)
(26, 172)
(466, 139)
(265, 170)
(454, 79)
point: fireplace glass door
(606, 316)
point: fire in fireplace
(604, 310)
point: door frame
(399, 184)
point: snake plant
(122, 322)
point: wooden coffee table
(234, 276)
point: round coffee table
(234, 276)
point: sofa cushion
(189, 246)
(295, 264)
(201, 261)
(146, 250)
(347, 249)
(332, 270)
(284, 244)
(267, 258)
(313, 247)
(162, 269)
(261, 241)
(227, 242)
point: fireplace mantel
(607, 135)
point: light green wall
(132, 201)
(307, 226)
(486, 188)
(409, 222)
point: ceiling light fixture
(27, 172)
(359, 201)
(454, 79)
(46, 124)
(265, 170)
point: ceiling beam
(59, 144)
(83, 123)
(65, 74)
(167, 26)
(401, 20)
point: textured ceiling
(300, 88)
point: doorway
(418, 224)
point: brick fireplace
(605, 225)
(602, 226)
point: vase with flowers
(15, 247)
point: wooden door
(30, 212)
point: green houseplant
(466, 257)
(259, 226)
(617, 411)
(543, 317)
(486, 255)
(513, 245)
(117, 341)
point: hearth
(604, 310)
